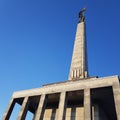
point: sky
(37, 37)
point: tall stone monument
(79, 59)
(79, 98)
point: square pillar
(41, 108)
(8, 112)
(24, 108)
(62, 106)
(116, 93)
(96, 112)
(87, 104)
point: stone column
(87, 104)
(41, 108)
(8, 112)
(62, 106)
(24, 108)
(96, 112)
(116, 93)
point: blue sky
(37, 36)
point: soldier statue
(81, 15)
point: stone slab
(70, 86)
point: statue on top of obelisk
(78, 68)
(81, 15)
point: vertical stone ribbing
(78, 67)
(24, 108)
(62, 106)
(87, 104)
(41, 108)
(8, 112)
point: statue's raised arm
(81, 15)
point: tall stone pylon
(79, 67)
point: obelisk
(79, 67)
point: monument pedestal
(89, 99)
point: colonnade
(62, 104)
(41, 107)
